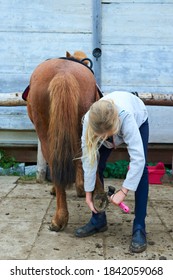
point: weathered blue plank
(15, 118)
(16, 127)
(161, 124)
(22, 52)
(137, 67)
(150, 2)
(137, 23)
(46, 16)
(13, 82)
(31, 32)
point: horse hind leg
(99, 188)
(79, 182)
(61, 216)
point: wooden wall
(136, 43)
(137, 55)
(136, 40)
(32, 31)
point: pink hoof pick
(122, 205)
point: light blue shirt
(132, 114)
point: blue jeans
(141, 194)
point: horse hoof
(55, 227)
(80, 193)
(53, 192)
(80, 190)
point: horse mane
(79, 55)
(63, 127)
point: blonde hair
(103, 122)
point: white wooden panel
(138, 68)
(161, 124)
(22, 52)
(46, 16)
(18, 138)
(31, 32)
(137, 23)
(135, 1)
(138, 88)
(16, 82)
(16, 128)
(15, 118)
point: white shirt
(132, 114)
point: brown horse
(60, 92)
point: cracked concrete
(26, 211)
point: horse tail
(63, 127)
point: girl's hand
(89, 201)
(118, 197)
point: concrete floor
(26, 211)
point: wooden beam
(12, 99)
(156, 99)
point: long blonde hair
(103, 121)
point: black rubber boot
(139, 241)
(97, 223)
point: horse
(60, 92)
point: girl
(118, 117)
